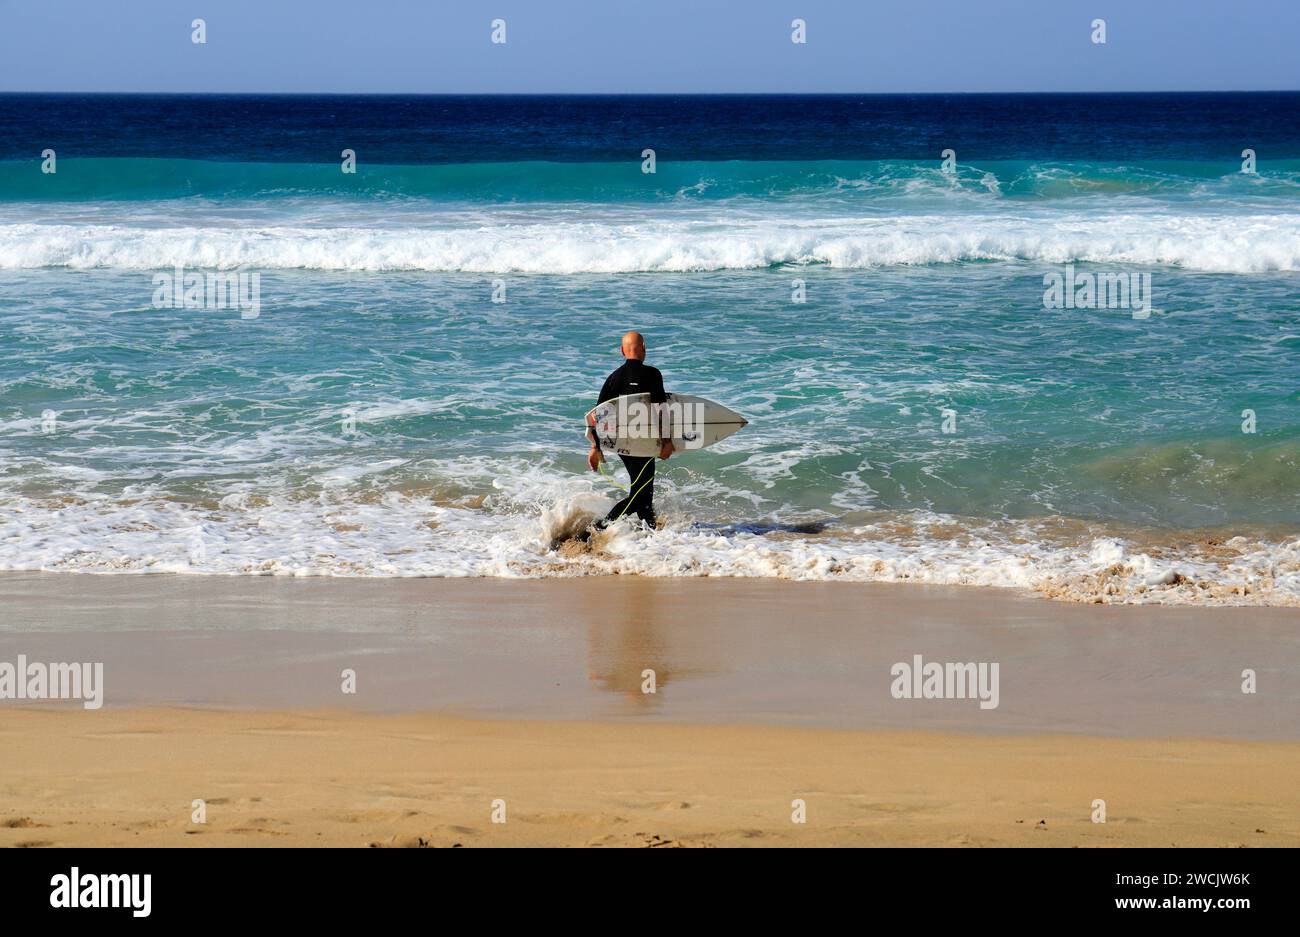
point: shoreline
(1057, 559)
(228, 690)
(722, 651)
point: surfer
(634, 377)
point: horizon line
(643, 94)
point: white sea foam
(1237, 243)
(516, 533)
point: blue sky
(610, 46)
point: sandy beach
(276, 778)
(452, 426)
(228, 690)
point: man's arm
(595, 456)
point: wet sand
(722, 650)
(230, 690)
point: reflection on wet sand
(630, 645)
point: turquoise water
(382, 416)
(870, 184)
(1089, 414)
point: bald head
(634, 346)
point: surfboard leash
(631, 494)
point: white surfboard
(632, 425)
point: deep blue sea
(405, 398)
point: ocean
(406, 398)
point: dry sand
(270, 779)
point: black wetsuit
(634, 377)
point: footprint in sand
(655, 841)
(21, 823)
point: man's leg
(640, 497)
